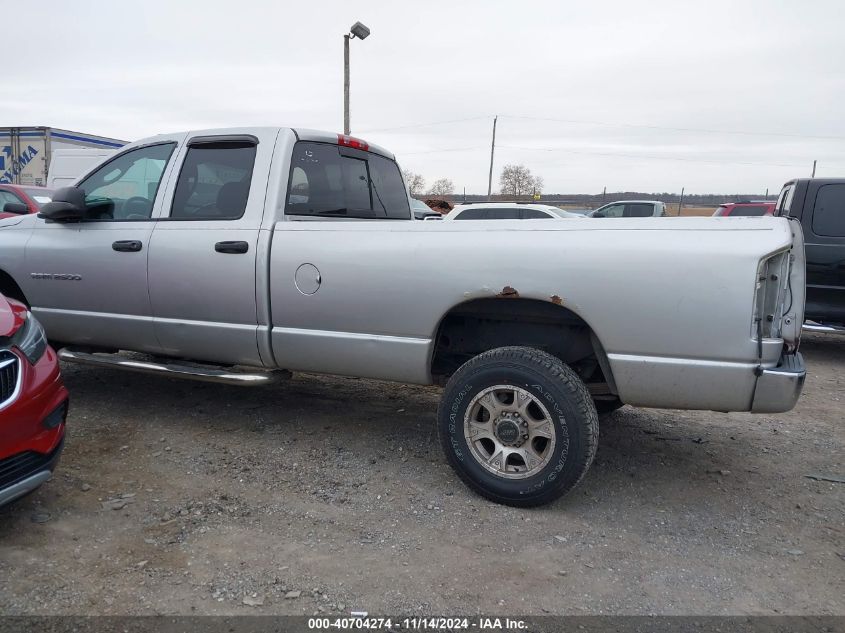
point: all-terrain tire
(546, 379)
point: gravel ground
(325, 495)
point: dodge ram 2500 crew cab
(290, 249)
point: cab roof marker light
(351, 141)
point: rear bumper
(25, 472)
(778, 388)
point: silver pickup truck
(238, 255)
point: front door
(87, 280)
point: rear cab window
(342, 182)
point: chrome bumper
(778, 388)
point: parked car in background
(422, 211)
(630, 209)
(758, 207)
(69, 165)
(508, 211)
(33, 403)
(269, 263)
(819, 205)
(20, 200)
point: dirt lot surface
(325, 495)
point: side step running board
(812, 326)
(206, 373)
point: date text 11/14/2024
(417, 623)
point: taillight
(770, 296)
(351, 141)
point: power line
(434, 151)
(676, 129)
(611, 124)
(432, 123)
(647, 156)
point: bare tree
(416, 183)
(516, 180)
(441, 187)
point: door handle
(231, 247)
(127, 246)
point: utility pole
(361, 32)
(603, 194)
(814, 170)
(346, 129)
(681, 201)
(767, 193)
(492, 152)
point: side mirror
(15, 207)
(68, 205)
(597, 215)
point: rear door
(202, 265)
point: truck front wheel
(518, 426)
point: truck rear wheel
(518, 426)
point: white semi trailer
(26, 152)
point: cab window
(472, 214)
(332, 181)
(613, 211)
(503, 214)
(638, 210)
(125, 188)
(214, 181)
(535, 214)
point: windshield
(40, 196)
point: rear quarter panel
(661, 294)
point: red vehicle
(33, 403)
(23, 198)
(758, 207)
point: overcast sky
(650, 96)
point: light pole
(361, 32)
